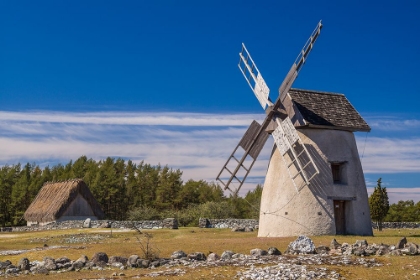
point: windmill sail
(253, 77)
(238, 165)
(300, 165)
(297, 65)
(299, 162)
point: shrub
(144, 213)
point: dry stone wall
(173, 223)
(157, 224)
(228, 223)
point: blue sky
(158, 80)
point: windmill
(300, 194)
(277, 122)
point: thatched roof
(327, 110)
(54, 198)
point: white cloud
(130, 118)
(198, 144)
(390, 155)
(392, 123)
(397, 194)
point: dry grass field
(76, 242)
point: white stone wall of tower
(287, 212)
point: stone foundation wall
(166, 223)
(228, 223)
(173, 224)
(391, 225)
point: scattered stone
(396, 252)
(105, 224)
(12, 270)
(302, 245)
(322, 249)
(87, 223)
(213, 257)
(401, 243)
(301, 265)
(100, 259)
(171, 223)
(132, 260)
(258, 252)
(361, 244)
(163, 261)
(24, 264)
(227, 255)
(40, 270)
(273, 251)
(117, 259)
(410, 249)
(238, 256)
(143, 263)
(155, 263)
(5, 264)
(77, 265)
(178, 255)
(382, 250)
(334, 244)
(236, 229)
(203, 223)
(62, 260)
(198, 256)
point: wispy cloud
(130, 118)
(198, 144)
(392, 123)
(397, 194)
(390, 155)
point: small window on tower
(338, 172)
(335, 167)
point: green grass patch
(125, 243)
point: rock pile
(302, 245)
(297, 262)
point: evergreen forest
(130, 191)
(125, 190)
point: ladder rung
(309, 162)
(228, 170)
(237, 179)
(300, 153)
(241, 164)
(297, 174)
(295, 159)
(235, 159)
(222, 182)
(291, 163)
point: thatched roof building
(61, 201)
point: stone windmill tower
(314, 183)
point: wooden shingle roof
(328, 110)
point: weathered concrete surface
(309, 210)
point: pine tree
(379, 204)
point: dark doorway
(339, 215)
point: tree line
(124, 189)
(381, 211)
